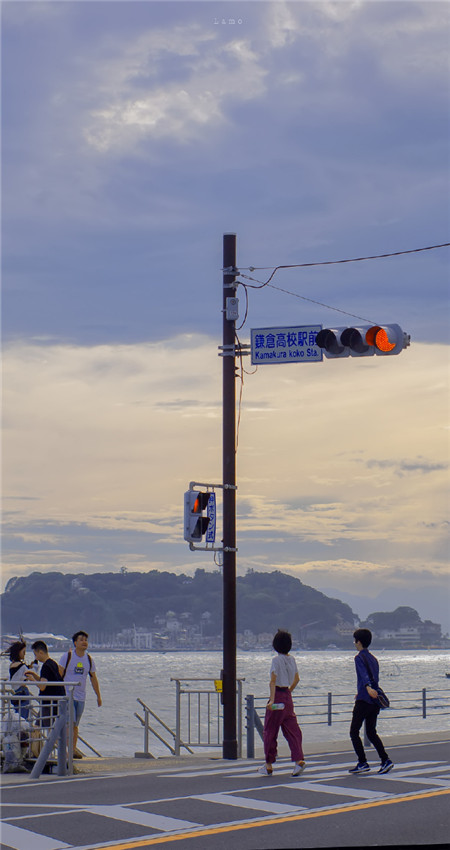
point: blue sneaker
(360, 768)
(386, 766)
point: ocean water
(114, 730)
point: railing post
(62, 766)
(239, 718)
(146, 731)
(330, 717)
(70, 733)
(177, 718)
(250, 717)
(424, 702)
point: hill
(109, 602)
(106, 604)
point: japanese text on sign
(286, 345)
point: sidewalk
(94, 766)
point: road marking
(361, 793)
(141, 818)
(224, 828)
(247, 803)
(231, 771)
(24, 839)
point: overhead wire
(333, 262)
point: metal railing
(206, 705)
(147, 728)
(36, 731)
(332, 708)
(31, 735)
(198, 718)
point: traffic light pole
(229, 747)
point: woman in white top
(280, 710)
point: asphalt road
(211, 804)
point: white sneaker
(263, 770)
(298, 769)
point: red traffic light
(362, 341)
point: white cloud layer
(343, 462)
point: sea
(113, 729)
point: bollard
(424, 702)
(329, 708)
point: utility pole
(229, 747)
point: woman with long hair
(17, 670)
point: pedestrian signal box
(195, 521)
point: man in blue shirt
(366, 707)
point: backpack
(69, 656)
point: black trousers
(364, 711)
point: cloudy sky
(134, 135)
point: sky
(134, 135)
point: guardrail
(206, 731)
(147, 728)
(31, 737)
(198, 717)
(332, 708)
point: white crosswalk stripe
(343, 791)
(25, 839)
(147, 819)
(248, 803)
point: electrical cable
(332, 263)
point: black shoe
(386, 766)
(360, 768)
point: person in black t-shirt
(50, 675)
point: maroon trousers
(286, 719)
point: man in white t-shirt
(76, 667)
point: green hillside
(61, 603)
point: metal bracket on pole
(242, 350)
(194, 484)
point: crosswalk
(236, 794)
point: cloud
(403, 467)
(105, 439)
(136, 100)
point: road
(209, 804)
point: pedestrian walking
(76, 667)
(366, 707)
(280, 710)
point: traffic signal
(195, 523)
(362, 341)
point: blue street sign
(295, 344)
(211, 513)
